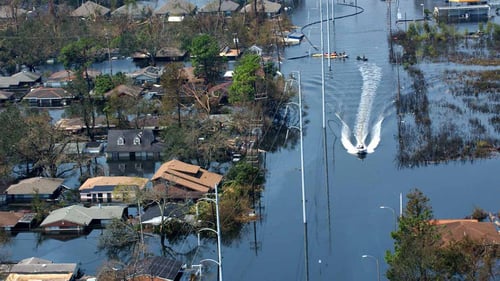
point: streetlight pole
(216, 201)
(394, 215)
(376, 260)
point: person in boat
(334, 53)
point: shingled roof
(187, 175)
(83, 216)
(90, 9)
(455, 230)
(114, 181)
(37, 184)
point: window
(137, 140)
(120, 141)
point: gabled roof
(10, 219)
(187, 175)
(137, 10)
(159, 267)
(147, 141)
(150, 72)
(4, 95)
(42, 270)
(455, 230)
(172, 210)
(18, 78)
(75, 124)
(48, 93)
(225, 6)
(131, 91)
(89, 9)
(37, 184)
(6, 12)
(176, 8)
(83, 216)
(114, 181)
(263, 5)
(169, 52)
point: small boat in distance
(332, 55)
(362, 58)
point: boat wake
(363, 128)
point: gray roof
(225, 6)
(176, 8)
(83, 216)
(160, 267)
(138, 10)
(18, 78)
(90, 8)
(48, 93)
(37, 184)
(267, 6)
(37, 266)
(146, 137)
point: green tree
(205, 57)
(245, 79)
(416, 242)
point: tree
(205, 51)
(245, 79)
(171, 80)
(416, 243)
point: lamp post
(394, 215)
(304, 216)
(423, 10)
(376, 260)
(216, 202)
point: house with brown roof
(16, 221)
(457, 229)
(183, 181)
(48, 97)
(77, 126)
(25, 190)
(42, 270)
(6, 97)
(91, 10)
(124, 91)
(111, 189)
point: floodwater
(343, 219)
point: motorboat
(362, 58)
(361, 149)
(332, 55)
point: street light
(376, 260)
(218, 232)
(394, 214)
(423, 10)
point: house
(171, 54)
(230, 54)
(91, 10)
(456, 230)
(16, 221)
(27, 189)
(42, 270)
(182, 181)
(133, 144)
(175, 10)
(20, 80)
(8, 12)
(124, 91)
(263, 6)
(80, 219)
(147, 75)
(7, 97)
(48, 97)
(60, 79)
(111, 189)
(137, 11)
(155, 269)
(226, 7)
(255, 49)
(77, 126)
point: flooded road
(343, 193)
